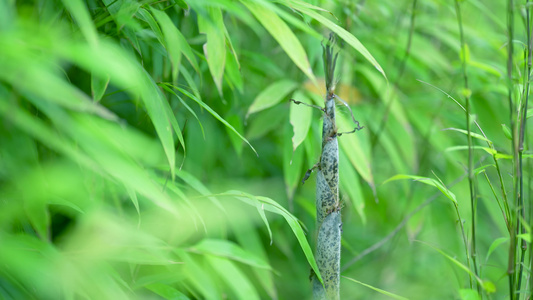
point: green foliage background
(148, 149)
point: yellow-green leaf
(215, 47)
(342, 33)
(283, 35)
(272, 95)
(300, 118)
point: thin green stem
(512, 246)
(491, 146)
(409, 41)
(530, 192)
(473, 251)
(523, 119)
(465, 240)
(398, 77)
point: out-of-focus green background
(148, 149)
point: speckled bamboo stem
(328, 250)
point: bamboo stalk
(328, 251)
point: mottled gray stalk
(328, 251)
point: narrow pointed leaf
(300, 118)
(272, 95)
(389, 294)
(215, 47)
(216, 115)
(283, 35)
(342, 33)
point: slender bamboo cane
(522, 130)
(514, 223)
(471, 178)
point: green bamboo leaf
(293, 222)
(305, 4)
(166, 291)
(177, 39)
(135, 201)
(389, 141)
(507, 132)
(235, 121)
(469, 294)
(41, 80)
(42, 132)
(356, 148)
(472, 134)
(107, 59)
(190, 81)
(487, 285)
(298, 232)
(525, 236)
(342, 33)
(300, 118)
(233, 72)
(129, 245)
(485, 67)
(228, 249)
(249, 238)
(294, 20)
(122, 12)
(456, 262)
(198, 276)
(497, 155)
(172, 43)
(156, 106)
(79, 12)
(394, 296)
(292, 162)
(102, 154)
(495, 244)
(175, 125)
(98, 86)
(198, 186)
(168, 89)
(265, 122)
(464, 147)
(237, 281)
(271, 95)
(31, 257)
(215, 47)
(182, 4)
(144, 15)
(86, 131)
(283, 35)
(428, 181)
(261, 211)
(215, 114)
(350, 184)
